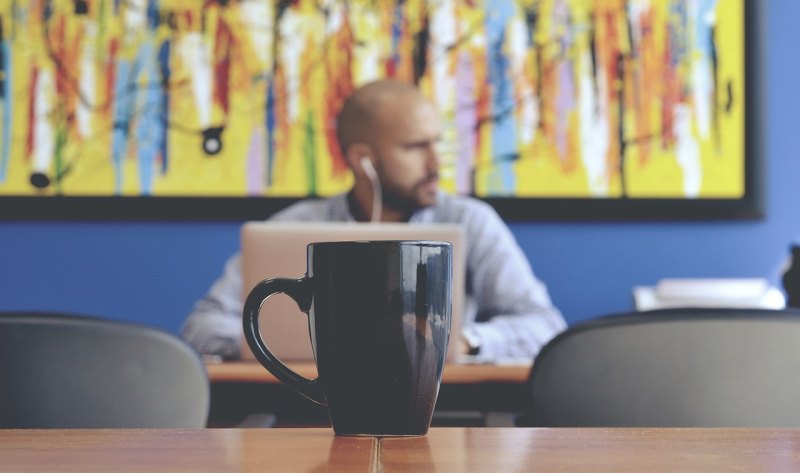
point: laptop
(278, 249)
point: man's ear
(355, 155)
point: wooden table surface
(442, 450)
(253, 372)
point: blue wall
(153, 272)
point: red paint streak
(648, 78)
(222, 66)
(111, 74)
(31, 138)
(611, 54)
(59, 51)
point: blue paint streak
(123, 109)
(5, 153)
(677, 29)
(702, 33)
(47, 10)
(166, 72)
(150, 126)
(502, 180)
(397, 31)
(153, 17)
(270, 126)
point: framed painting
(225, 109)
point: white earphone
(366, 163)
(375, 183)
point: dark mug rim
(434, 243)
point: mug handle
(300, 291)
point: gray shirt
(511, 314)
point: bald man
(388, 133)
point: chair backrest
(672, 368)
(63, 371)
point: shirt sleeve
(214, 326)
(515, 317)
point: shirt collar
(341, 211)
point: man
(388, 133)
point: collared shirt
(511, 313)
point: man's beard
(409, 201)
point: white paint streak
(257, 18)
(443, 34)
(292, 47)
(87, 84)
(367, 53)
(594, 129)
(44, 147)
(195, 53)
(687, 151)
(527, 102)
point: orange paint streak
(338, 67)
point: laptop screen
(278, 249)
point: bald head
(369, 108)
(392, 127)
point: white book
(715, 289)
(719, 293)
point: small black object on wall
(791, 278)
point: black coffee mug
(379, 320)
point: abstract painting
(585, 100)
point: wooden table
(253, 372)
(442, 450)
(471, 394)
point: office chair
(672, 368)
(65, 371)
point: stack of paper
(741, 293)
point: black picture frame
(750, 206)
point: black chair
(672, 368)
(64, 371)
